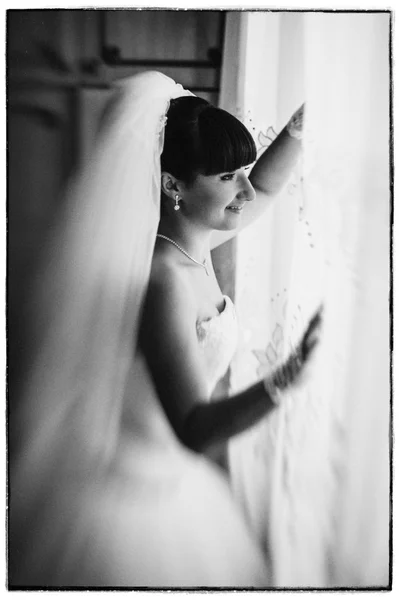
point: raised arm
(274, 167)
(170, 345)
(270, 173)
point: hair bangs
(226, 144)
(200, 138)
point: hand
(292, 371)
(295, 124)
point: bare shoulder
(168, 290)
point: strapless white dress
(163, 517)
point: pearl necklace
(201, 264)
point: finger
(300, 110)
(311, 347)
(315, 334)
(307, 344)
(313, 326)
(318, 313)
(308, 341)
(316, 319)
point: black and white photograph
(199, 299)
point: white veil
(88, 301)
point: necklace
(201, 264)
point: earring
(177, 199)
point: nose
(246, 192)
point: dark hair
(200, 138)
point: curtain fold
(313, 479)
(347, 188)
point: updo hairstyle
(200, 138)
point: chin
(229, 222)
(230, 225)
(232, 220)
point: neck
(192, 239)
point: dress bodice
(217, 339)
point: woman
(130, 339)
(206, 198)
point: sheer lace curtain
(313, 479)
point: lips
(235, 208)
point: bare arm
(170, 345)
(274, 167)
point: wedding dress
(161, 516)
(102, 493)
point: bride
(111, 482)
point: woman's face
(217, 201)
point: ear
(170, 186)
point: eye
(227, 176)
